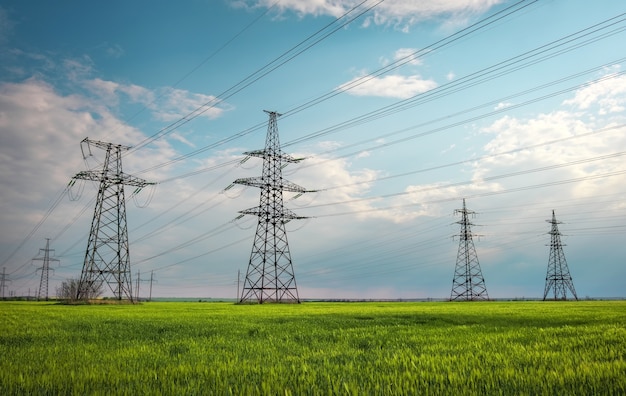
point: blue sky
(401, 108)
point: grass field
(510, 348)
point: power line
(469, 182)
(475, 195)
(478, 159)
(206, 59)
(479, 25)
(260, 73)
(402, 105)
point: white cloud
(174, 104)
(166, 104)
(390, 86)
(608, 95)
(40, 152)
(78, 69)
(574, 140)
(399, 13)
(110, 92)
(182, 139)
(407, 55)
(502, 105)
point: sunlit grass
(314, 348)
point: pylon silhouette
(42, 293)
(558, 278)
(270, 276)
(468, 283)
(107, 259)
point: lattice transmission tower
(107, 258)
(468, 283)
(46, 259)
(558, 277)
(270, 276)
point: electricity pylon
(3, 281)
(558, 277)
(107, 259)
(270, 276)
(468, 283)
(42, 293)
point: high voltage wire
(54, 206)
(258, 74)
(247, 131)
(477, 159)
(64, 191)
(475, 195)
(577, 162)
(469, 182)
(390, 258)
(208, 58)
(202, 63)
(410, 57)
(393, 254)
(490, 103)
(412, 101)
(55, 203)
(456, 124)
(476, 118)
(419, 99)
(328, 95)
(376, 114)
(216, 231)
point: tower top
(273, 113)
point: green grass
(510, 348)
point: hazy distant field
(511, 348)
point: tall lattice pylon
(468, 283)
(107, 259)
(558, 278)
(270, 276)
(46, 259)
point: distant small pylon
(558, 277)
(42, 292)
(468, 283)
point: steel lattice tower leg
(270, 276)
(468, 283)
(558, 277)
(107, 258)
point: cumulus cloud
(41, 131)
(390, 86)
(564, 143)
(502, 105)
(608, 95)
(166, 104)
(407, 55)
(173, 104)
(399, 13)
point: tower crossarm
(104, 145)
(122, 178)
(282, 157)
(284, 185)
(285, 214)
